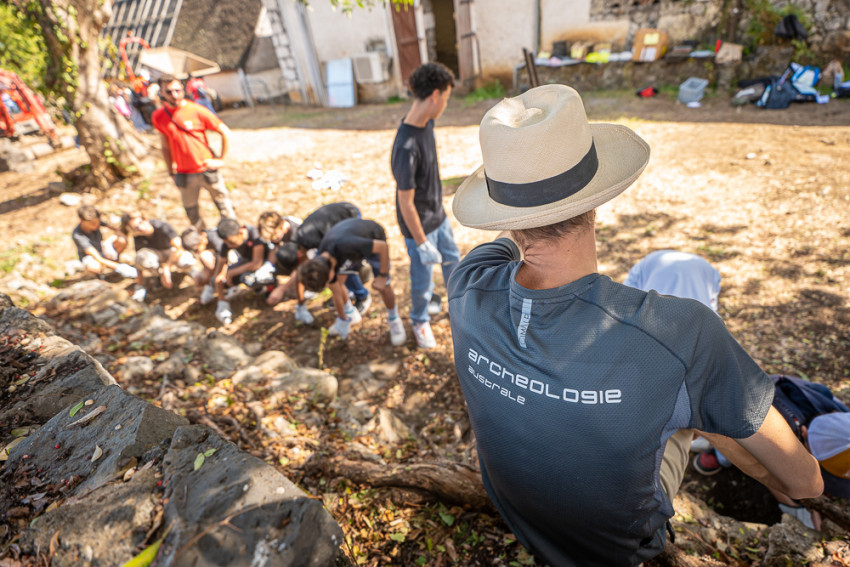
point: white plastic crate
(692, 90)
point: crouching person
(158, 249)
(340, 254)
(241, 253)
(202, 244)
(99, 256)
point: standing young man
(419, 196)
(183, 127)
(584, 394)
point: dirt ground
(763, 195)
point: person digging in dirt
(97, 254)
(584, 394)
(304, 243)
(249, 251)
(183, 127)
(419, 196)
(204, 245)
(158, 249)
(822, 423)
(340, 254)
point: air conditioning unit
(371, 67)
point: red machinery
(21, 112)
(138, 84)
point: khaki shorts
(675, 461)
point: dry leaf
(4, 454)
(97, 453)
(86, 418)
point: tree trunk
(72, 29)
(447, 481)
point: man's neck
(551, 264)
(175, 106)
(419, 114)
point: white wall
(557, 16)
(503, 27)
(337, 35)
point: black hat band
(546, 191)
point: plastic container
(692, 90)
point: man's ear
(434, 97)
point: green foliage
(764, 17)
(491, 90)
(22, 47)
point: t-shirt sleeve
(82, 242)
(730, 394)
(167, 231)
(208, 119)
(403, 164)
(478, 261)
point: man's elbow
(809, 485)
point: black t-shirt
(246, 249)
(317, 224)
(161, 238)
(214, 241)
(350, 241)
(86, 240)
(414, 165)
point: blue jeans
(355, 286)
(422, 276)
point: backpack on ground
(804, 79)
(800, 401)
(779, 93)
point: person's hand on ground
(303, 314)
(341, 328)
(126, 271)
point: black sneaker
(362, 305)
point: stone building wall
(702, 20)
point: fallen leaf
(86, 418)
(4, 454)
(97, 453)
(209, 452)
(20, 431)
(77, 407)
(199, 461)
(89, 402)
(146, 557)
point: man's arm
(225, 139)
(257, 259)
(774, 457)
(410, 215)
(382, 249)
(166, 152)
(92, 251)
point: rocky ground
(763, 195)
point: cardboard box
(580, 49)
(729, 53)
(650, 44)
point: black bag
(211, 176)
(790, 28)
(779, 93)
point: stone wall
(702, 20)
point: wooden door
(467, 48)
(406, 38)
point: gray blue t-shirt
(573, 393)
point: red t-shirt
(188, 149)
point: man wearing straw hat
(584, 394)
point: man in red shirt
(183, 127)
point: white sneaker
(435, 305)
(139, 295)
(223, 313)
(398, 335)
(352, 314)
(424, 335)
(207, 294)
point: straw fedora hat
(545, 163)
